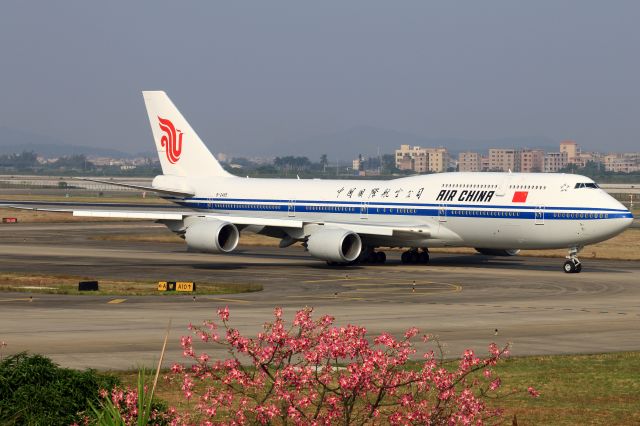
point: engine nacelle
(334, 245)
(498, 252)
(212, 236)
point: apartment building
(422, 160)
(531, 160)
(572, 150)
(555, 161)
(622, 163)
(503, 160)
(469, 161)
(438, 159)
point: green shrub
(35, 391)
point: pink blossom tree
(310, 371)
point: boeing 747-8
(347, 221)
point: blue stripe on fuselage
(380, 203)
(401, 209)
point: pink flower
(277, 312)
(411, 332)
(534, 393)
(495, 384)
(224, 313)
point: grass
(574, 389)
(68, 284)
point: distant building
(531, 160)
(555, 161)
(572, 150)
(438, 159)
(587, 157)
(357, 164)
(405, 155)
(469, 161)
(484, 163)
(622, 163)
(422, 160)
(503, 160)
(524, 160)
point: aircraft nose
(626, 218)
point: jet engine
(335, 245)
(212, 236)
(498, 252)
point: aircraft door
(539, 215)
(442, 213)
(291, 208)
(364, 210)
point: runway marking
(338, 297)
(25, 299)
(227, 300)
(409, 287)
(338, 279)
(115, 301)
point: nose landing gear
(572, 264)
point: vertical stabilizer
(181, 151)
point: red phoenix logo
(171, 140)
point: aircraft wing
(162, 191)
(383, 230)
(172, 212)
(377, 230)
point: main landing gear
(372, 256)
(415, 256)
(573, 265)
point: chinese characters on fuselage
(378, 192)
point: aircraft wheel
(381, 257)
(424, 257)
(569, 267)
(579, 268)
(414, 256)
(405, 257)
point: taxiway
(462, 299)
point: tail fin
(181, 151)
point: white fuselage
(488, 210)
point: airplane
(346, 222)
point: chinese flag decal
(520, 196)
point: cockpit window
(586, 185)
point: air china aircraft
(344, 222)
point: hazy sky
(251, 75)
